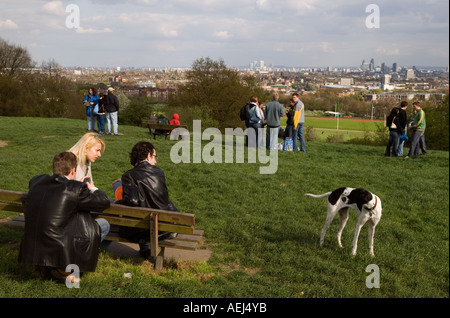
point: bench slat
(138, 212)
(182, 245)
(11, 207)
(144, 224)
(16, 225)
(12, 196)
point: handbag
(393, 126)
(96, 110)
(288, 144)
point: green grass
(263, 231)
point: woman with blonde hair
(88, 149)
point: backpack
(243, 112)
(390, 119)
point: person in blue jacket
(90, 101)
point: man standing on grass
(273, 114)
(418, 128)
(112, 109)
(299, 120)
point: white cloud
(222, 34)
(82, 30)
(54, 8)
(8, 24)
(392, 51)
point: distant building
(346, 82)
(410, 74)
(394, 68)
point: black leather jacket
(145, 186)
(59, 229)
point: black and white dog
(365, 203)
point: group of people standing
(63, 223)
(269, 116)
(102, 108)
(398, 126)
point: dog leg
(361, 221)
(371, 235)
(343, 218)
(330, 216)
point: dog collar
(375, 205)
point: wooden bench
(188, 237)
(157, 129)
(145, 122)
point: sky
(175, 33)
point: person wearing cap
(112, 108)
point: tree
(214, 94)
(13, 59)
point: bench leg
(159, 260)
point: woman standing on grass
(91, 100)
(88, 149)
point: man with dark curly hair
(144, 186)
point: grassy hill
(263, 231)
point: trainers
(166, 236)
(407, 157)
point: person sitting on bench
(59, 228)
(143, 186)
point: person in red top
(175, 120)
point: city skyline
(174, 33)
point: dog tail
(318, 196)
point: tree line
(213, 93)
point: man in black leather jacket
(59, 228)
(144, 186)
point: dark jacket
(400, 120)
(144, 186)
(290, 117)
(248, 106)
(59, 229)
(111, 103)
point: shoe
(60, 276)
(145, 254)
(41, 272)
(407, 157)
(167, 236)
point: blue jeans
(415, 143)
(254, 140)
(91, 119)
(101, 119)
(111, 118)
(299, 133)
(394, 139)
(400, 148)
(272, 137)
(104, 228)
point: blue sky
(174, 33)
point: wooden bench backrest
(145, 122)
(169, 221)
(11, 201)
(117, 214)
(165, 127)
